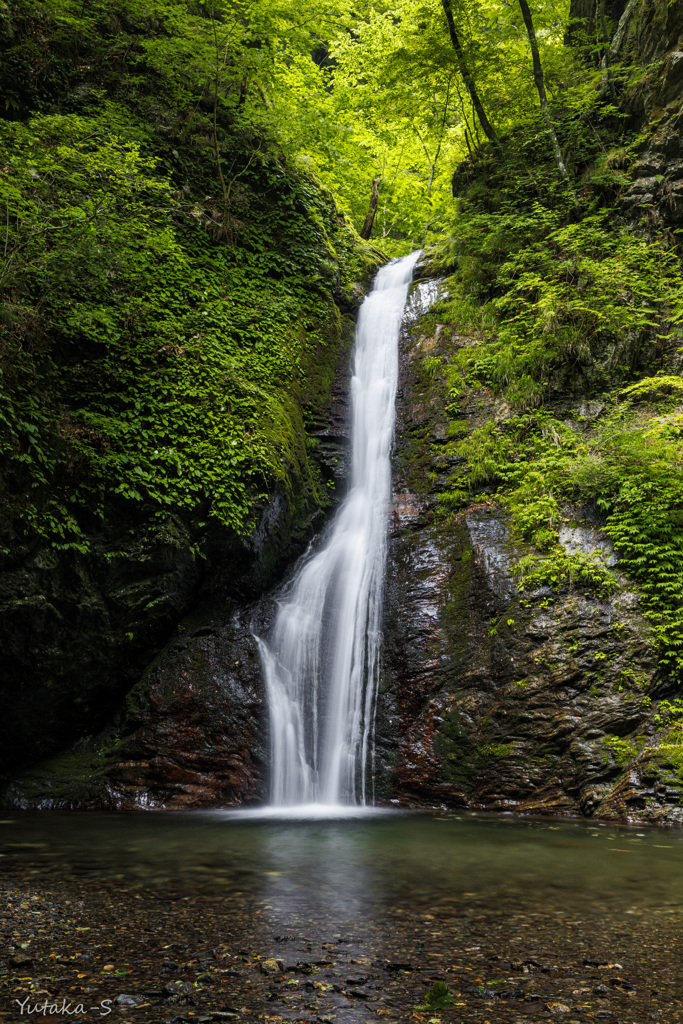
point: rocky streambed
(195, 917)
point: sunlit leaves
(143, 361)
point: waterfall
(321, 662)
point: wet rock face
(194, 728)
(77, 633)
(653, 199)
(192, 732)
(650, 36)
(489, 698)
(583, 24)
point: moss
(72, 778)
(498, 750)
(461, 756)
(624, 750)
(670, 755)
(454, 610)
(458, 428)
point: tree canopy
(350, 92)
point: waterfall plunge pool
(194, 915)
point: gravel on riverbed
(87, 949)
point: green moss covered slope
(175, 301)
(539, 473)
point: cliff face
(79, 628)
(493, 699)
(551, 698)
(653, 35)
(176, 314)
(189, 729)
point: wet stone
(272, 966)
(128, 1000)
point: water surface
(515, 916)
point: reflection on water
(356, 864)
(329, 862)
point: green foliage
(669, 749)
(561, 569)
(166, 302)
(350, 93)
(500, 749)
(587, 287)
(669, 712)
(632, 470)
(576, 294)
(662, 385)
(628, 466)
(570, 303)
(624, 750)
(439, 997)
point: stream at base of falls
(205, 916)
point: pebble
(272, 966)
(127, 1000)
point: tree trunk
(589, 22)
(540, 86)
(366, 230)
(243, 91)
(467, 76)
(624, 20)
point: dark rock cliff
(490, 699)
(188, 729)
(652, 37)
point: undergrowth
(562, 302)
(159, 349)
(626, 467)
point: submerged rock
(272, 966)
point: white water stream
(321, 662)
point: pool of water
(427, 890)
(371, 857)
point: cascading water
(321, 663)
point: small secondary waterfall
(322, 659)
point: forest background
(182, 188)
